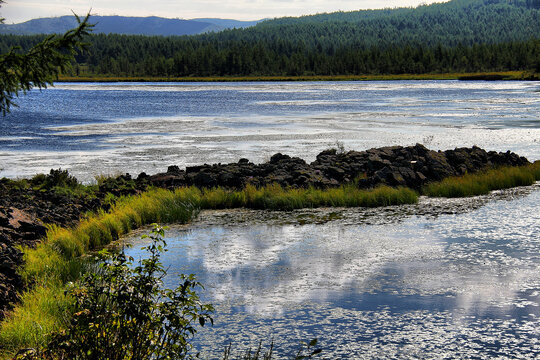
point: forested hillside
(457, 36)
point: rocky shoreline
(411, 166)
(25, 211)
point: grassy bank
(59, 259)
(62, 255)
(507, 75)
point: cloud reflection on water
(465, 275)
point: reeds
(483, 182)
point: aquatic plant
(307, 350)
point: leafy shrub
(123, 312)
(56, 178)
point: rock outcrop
(411, 166)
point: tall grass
(59, 259)
(483, 182)
(276, 197)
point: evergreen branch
(41, 65)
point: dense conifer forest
(456, 36)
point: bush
(56, 178)
(123, 312)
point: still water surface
(440, 279)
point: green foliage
(60, 183)
(55, 178)
(40, 66)
(123, 312)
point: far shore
(485, 76)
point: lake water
(439, 279)
(108, 129)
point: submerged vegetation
(62, 256)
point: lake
(108, 129)
(439, 279)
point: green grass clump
(483, 182)
(276, 197)
(45, 309)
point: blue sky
(21, 10)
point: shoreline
(52, 220)
(481, 76)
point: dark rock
(205, 179)
(278, 157)
(195, 169)
(173, 169)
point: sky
(15, 11)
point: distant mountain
(126, 25)
(228, 23)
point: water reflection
(427, 280)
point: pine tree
(40, 66)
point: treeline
(465, 22)
(131, 56)
(457, 36)
(285, 59)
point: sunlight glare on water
(95, 129)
